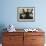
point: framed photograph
(26, 14)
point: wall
(9, 13)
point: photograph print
(26, 14)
